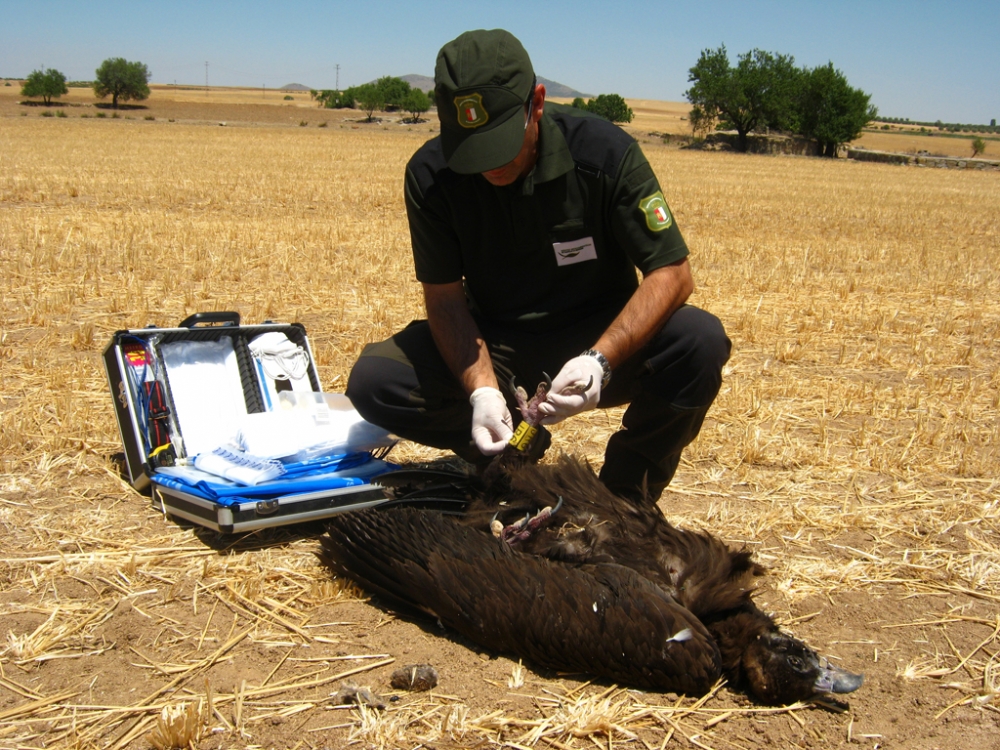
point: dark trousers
(403, 385)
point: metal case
(132, 426)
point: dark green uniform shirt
(560, 244)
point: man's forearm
(661, 293)
(457, 336)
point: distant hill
(560, 90)
(294, 87)
(417, 81)
(426, 84)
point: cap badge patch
(471, 112)
(656, 211)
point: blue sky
(926, 60)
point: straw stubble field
(853, 447)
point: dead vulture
(547, 564)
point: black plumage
(602, 619)
(547, 564)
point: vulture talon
(577, 388)
(529, 407)
(519, 393)
(526, 527)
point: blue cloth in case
(327, 473)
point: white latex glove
(492, 426)
(566, 396)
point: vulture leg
(527, 526)
(604, 620)
(529, 408)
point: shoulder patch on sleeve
(657, 214)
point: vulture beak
(833, 679)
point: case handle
(208, 318)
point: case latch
(267, 507)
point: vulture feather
(547, 564)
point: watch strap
(603, 361)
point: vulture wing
(601, 619)
(594, 525)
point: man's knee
(378, 385)
(708, 343)
(362, 384)
(689, 365)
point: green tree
(701, 122)
(579, 103)
(759, 92)
(610, 107)
(334, 99)
(416, 103)
(369, 97)
(394, 92)
(831, 111)
(978, 147)
(348, 98)
(122, 79)
(48, 84)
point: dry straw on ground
(853, 446)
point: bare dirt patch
(164, 615)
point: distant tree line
(609, 106)
(766, 91)
(117, 77)
(951, 127)
(394, 94)
(387, 94)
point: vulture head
(780, 670)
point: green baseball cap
(481, 83)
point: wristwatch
(605, 365)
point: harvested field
(937, 145)
(183, 105)
(854, 445)
(654, 116)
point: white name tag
(575, 251)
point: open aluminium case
(143, 386)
